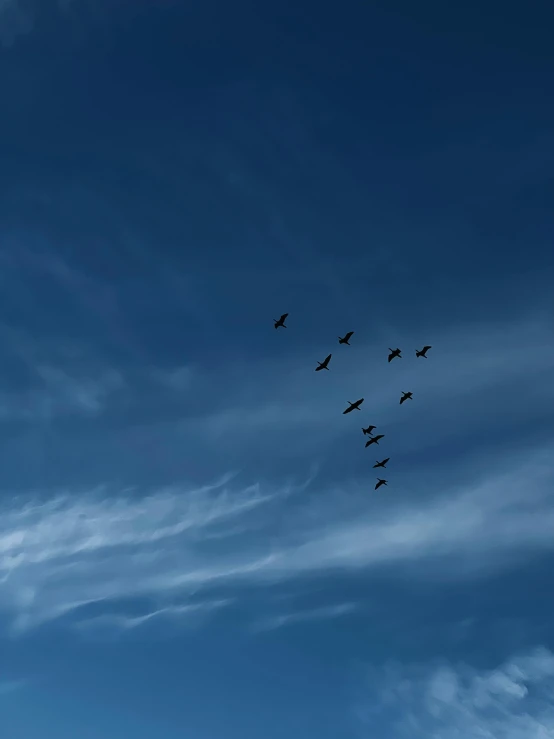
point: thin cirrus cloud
(467, 378)
(122, 622)
(61, 555)
(58, 392)
(323, 613)
(469, 373)
(18, 18)
(7, 687)
(443, 701)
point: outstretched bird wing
(327, 360)
(284, 317)
(348, 335)
(426, 348)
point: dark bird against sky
(324, 365)
(368, 430)
(281, 321)
(394, 353)
(353, 406)
(380, 482)
(405, 396)
(374, 440)
(346, 339)
(423, 352)
(382, 464)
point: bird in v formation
(368, 430)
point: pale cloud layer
(7, 687)
(470, 373)
(62, 551)
(313, 614)
(104, 546)
(513, 701)
(122, 622)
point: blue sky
(190, 541)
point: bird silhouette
(324, 364)
(423, 352)
(368, 430)
(380, 482)
(382, 464)
(405, 396)
(346, 339)
(281, 322)
(394, 353)
(353, 406)
(374, 440)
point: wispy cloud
(59, 555)
(124, 622)
(313, 614)
(15, 21)
(17, 18)
(512, 701)
(466, 380)
(10, 686)
(78, 549)
(61, 379)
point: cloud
(17, 18)
(10, 686)
(470, 528)
(124, 622)
(314, 614)
(57, 393)
(513, 701)
(470, 374)
(60, 379)
(78, 549)
(15, 21)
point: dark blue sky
(190, 541)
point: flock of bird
(368, 431)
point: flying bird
(374, 440)
(394, 353)
(423, 352)
(380, 482)
(405, 396)
(382, 464)
(281, 321)
(323, 365)
(353, 406)
(345, 339)
(368, 430)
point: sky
(191, 545)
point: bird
(405, 396)
(423, 352)
(353, 406)
(394, 353)
(380, 482)
(324, 364)
(382, 464)
(345, 339)
(374, 440)
(281, 321)
(368, 430)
